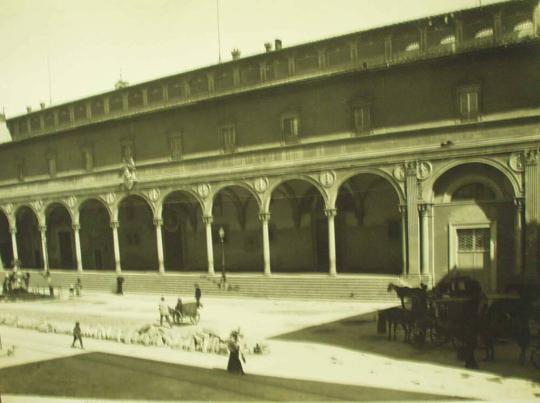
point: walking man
(77, 335)
(198, 295)
(164, 312)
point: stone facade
(409, 150)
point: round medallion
(153, 194)
(203, 190)
(260, 184)
(327, 178)
(399, 173)
(516, 162)
(423, 169)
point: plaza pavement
(281, 325)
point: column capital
(531, 157)
(264, 217)
(115, 224)
(158, 222)
(330, 212)
(76, 227)
(519, 203)
(402, 208)
(424, 208)
(208, 219)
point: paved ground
(322, 342)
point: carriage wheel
(535, 358)
(195, 318)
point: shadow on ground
(107, 376)
(359, 333)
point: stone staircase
(305, 286)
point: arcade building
(405, 151)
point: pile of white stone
(202, 340)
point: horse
(395, 316)
(406, 292)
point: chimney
(235, 53)
(42, 105)
(277, 44)
(28, 109)
(268, 46)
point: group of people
(76, 289)
(16, 280)
(177, 312)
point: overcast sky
(88, 42)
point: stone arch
(139, 194)
(137, 233)
(368, 224)
(159, 206)
(97, 248)
(60, 239)
(6, 246)
(236, 207)
(427, 188)
(69, 210)
(28, 237)
(98, 200)
(183, 232)
(243, 185)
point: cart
(190, 311)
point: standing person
(49, 282)
(120, 285)
(77, 335)
(78, 287)
(164, 312)
(198, 295)
(27, 280)
(235, 354)
(177, 315)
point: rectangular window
(20, 170)
(290, 127)
(228, 138)
(127, 150)
(88, 159)
(175, 143)
(468, 98)
(362, 118)
(51, 165)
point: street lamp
(221, 241)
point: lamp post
(221, 241)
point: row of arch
(368, 232)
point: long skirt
(235, 365)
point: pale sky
(88, 42)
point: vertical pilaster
(403, 212)
(43, 232)
(532, 198)
(265, 217)
(161, 266)
(518, 235)
(78, 255)
(116, 245)
(413, 239)
(13, 231)
(331, 213)
(209, 246)
(424, 210)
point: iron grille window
(290, 126)
(469, 102)
(473, 240)
(228, 138)
(362, 118)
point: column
(13, 231)
(158, 222)
(43, 231)
(209, 246)
(413, 239)
(331, 213)
(424, 210)
(117, 265)
(403, 212)
(78, 255)
(518, 238)
(265, 217)
(532, 199)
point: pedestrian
(27, 280)
(198, 295)
(177, 315)
(236, 356)
(49, 282)
(164, 312)
(78, 287)
(77, 335)
(71, 290)
(120, 285)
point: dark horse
(395, 316)
(406, 292)
(507, 319)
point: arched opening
(298, 228)
(183, 233)
(60, 240)
(28, 239)
(368, 226)
(137, 235)
(475, 224)
(96, 236)
(236, 210)
(6, 248)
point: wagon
(190, 311)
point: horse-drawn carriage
(189, 311)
